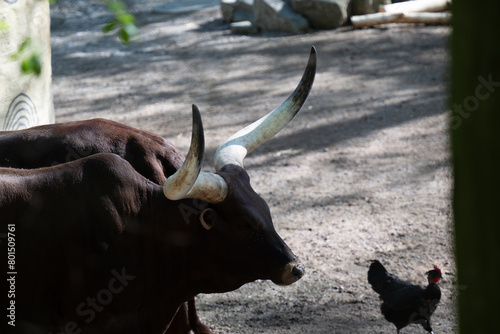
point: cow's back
(151, 155)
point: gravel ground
(362, 173)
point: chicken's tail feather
(377, 275)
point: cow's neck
(169, 242)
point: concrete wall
(25, 100)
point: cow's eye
(208, 218)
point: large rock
(363, 7)
(227, 8)
(244, 28)
(245, 5)
(183, 7)
(277, 15)
(237, 10)
(324, 14)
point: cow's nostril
(298, 271)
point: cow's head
(236, 215)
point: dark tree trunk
(475, 134)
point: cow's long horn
(236, 147)
(209, 187)
(180, 183)
(188, 182)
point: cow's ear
(208, 218)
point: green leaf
(3, 26)
(116, 6)
(36, 64)
(22, 48)
(32, 64)
(126, 18)
(124, 36)
(131, 29)
(123, 21)
(109, 26)
(24, 45)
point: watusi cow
(101, 249)
(151, 155)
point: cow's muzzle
(291, 273)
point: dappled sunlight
(362, 171)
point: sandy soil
(362, 173)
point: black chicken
(405, 303)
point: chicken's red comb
(437, 279)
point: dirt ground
(363, 172)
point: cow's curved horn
(236, 147)
(180, 183)
(188, 182)
(209, 187)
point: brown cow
(151, 155)
(98, 248)
(48, 145)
